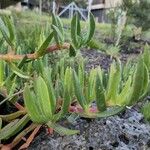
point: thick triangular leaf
(113, 83)
(13, 127)
(110, 112)
(10, 80)
(61, 130)
(68, 81)
(137, 82)
(5, 33)
(100, 95)
(31, 106)
(91, 28)
(81, 73)
(10, 26)
(48, 81)
(123, 97)
(146, 56)
(12, 116)
(54, 20)
(146, 81)
(42, 50)
(18, 72)
(43, 97)
(79, 92)
(66, 102)
(90, 87)
(57, 27)
(146, 111)
(75, 30)
(57, 35)
(60, 25)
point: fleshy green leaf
(91, 28)
(146, 56)
(75, 30)
(146, 81)
(31, 106)
(61, 130)
(60, 25)
(66, 102)
(43, 98)
(67, 91)
(137, 82)
(42, 50)
(48, 81)
(68, 80)
(90, 93)
(58, 31)
(5, 33)
(10, 26)
(113, 83)
(100, 95)
(57, 35)
(146, 111)
(123, 97)
(110, 112)
(79, 92)
(81, 73)
(11, 116)
(13, 127)
(18, 72)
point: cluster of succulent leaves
(14, 74)
(52, 93)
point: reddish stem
(19, 107)
(50, 130)
(30, 139)
(12, 57)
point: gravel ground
(126, 131)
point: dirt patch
(97, 58)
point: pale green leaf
(43, 49)
(100, 95)
(18, 72)
(13, 127)
(31, 106)
(42, 94)
(91, 28)
(61, 130)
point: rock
(120, 132)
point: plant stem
(14, 57)
(31, 137)
(22, 134)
